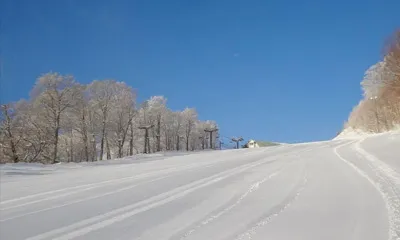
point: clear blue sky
(276, 70)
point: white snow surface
(350, 133)
(347, 188)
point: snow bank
(350, 133)
(25, 169)
(12, 169)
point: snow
(10, 169)
(348, 188)
(350, 133)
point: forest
(379, 110)
(65, 121)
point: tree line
(379, 110)
(65, 121)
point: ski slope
(342, 189)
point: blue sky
(276, 70)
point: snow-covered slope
(340, 189)
(349, 133)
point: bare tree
(168, 126)
(78, 120)
(131, 138)
(375, 79)
(380, 109)
(156, 113)
(177, 128)
(189, 118)
(392, 54)
(122, 114)
(101, 94)
(54, 94)
(66, 121)
(8, 128)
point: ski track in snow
(81, 200)
(94, 223)
(251, 189)
(275, 212)
(254, 187)
(55, 194)
(84, 187)
(387, 184)
(378, 164)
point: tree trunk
(108, 149)
(148, 143)
(159, 134)
(145, 142)
(166, 141)
(120, 144)
(211, 141)
(154, 146)
(103, 133)
(85, 137)
(94, 157)
(72, 149)
(56, 134)
(14, 151)
(14, 156)
(66, 150)
(177, 143)
(131, 141)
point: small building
(251, 144)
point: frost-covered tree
(189, 116)
(80, 125)
(52, 95)
(10, 132)
(66, 121)
(23, 133)
(122, 114)
(101, 95)
(374, 79)
(393, 54)
(156, 112)
(380, 109)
